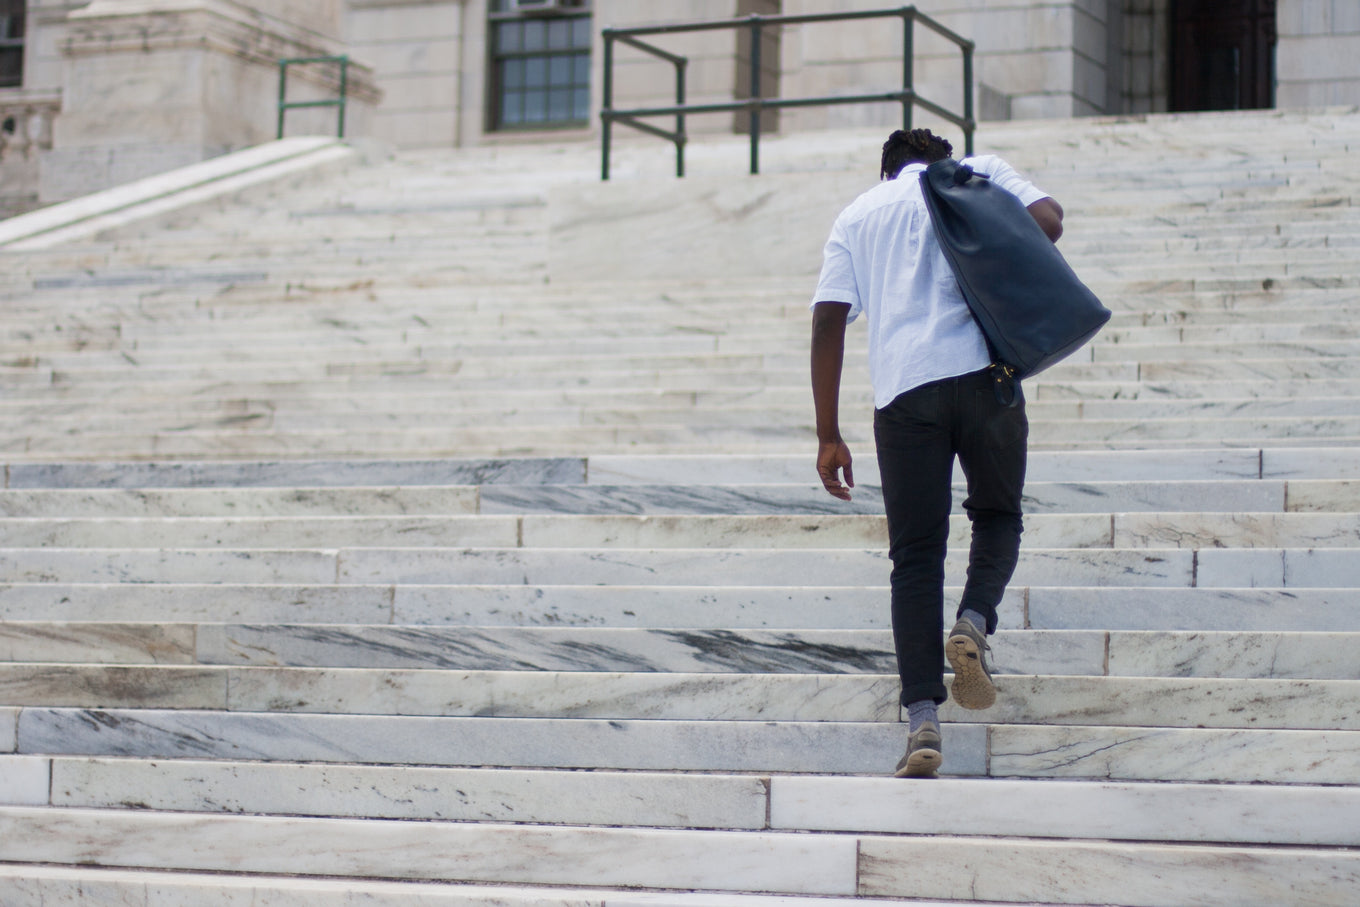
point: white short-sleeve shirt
(883, 259)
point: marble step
(1091, 530)
(1202, 813)
(1229, 755)
(1246, 495)
(605, 532)
(751, 607)
(1193, 464)
(1151, 653)
(1234, 609)
(345, 341)
(774, 389)
(443, 329)
(1153, 417)
(307, 474)
(31, 885)
(633, 695)
(258, 424)
(692, 437)
(848, 866)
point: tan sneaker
(922, 758)
(967, 653)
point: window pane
(535, 106)
(580, 108)
(559, 104)
(512, 74)
(536, 72)
(535, 35)
(559, 71)
(559, 34)
(580, 32)
(581, 65)
(11, 68)
(512, 108)
(509, 37)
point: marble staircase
(349, 554)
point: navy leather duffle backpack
(1030, 304)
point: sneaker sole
(972, 688)
(921, 764)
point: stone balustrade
(26, 119)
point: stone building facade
(96, 93)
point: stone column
(151, 85)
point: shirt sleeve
(837, 282)
(1005, 176)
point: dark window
(11, 43)
(540, 63)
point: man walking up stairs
(344, 559)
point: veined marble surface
(47, 886)
(1177, 754)
(259, 502)
(472, 795)
(1148, 567)
(1313, 496)
(688, 606)
(1146, 875)
(578, 694)
(1314, 463)
(742, 861)
(1204, 813)
(195, 601)
(620, 649)
(1237, 495)
(551, 648)
(1237, 530)
(676, 499)
(98, 565)
(248, 533)
(288, 473)
(109, 643)
(1043, 466)
(1229, 608)
(9, 730)
(1275, 567)
(1157, 702)
(853, 747)
(1322, 655)
(781, 531)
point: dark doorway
(1222, 54)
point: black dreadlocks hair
(918, 146)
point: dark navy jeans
(918, 435)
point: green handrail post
(340, 102)
(755, 105)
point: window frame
(575, 52)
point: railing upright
(908, 70)
(285, 105)
(755, 104)
(756, 110)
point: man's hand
(833, 456)
(828, 351)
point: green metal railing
(756, 104)
(286, 105)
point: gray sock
(976, 620)
(921, 711)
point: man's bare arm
(828, 356)
(1048, 214)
